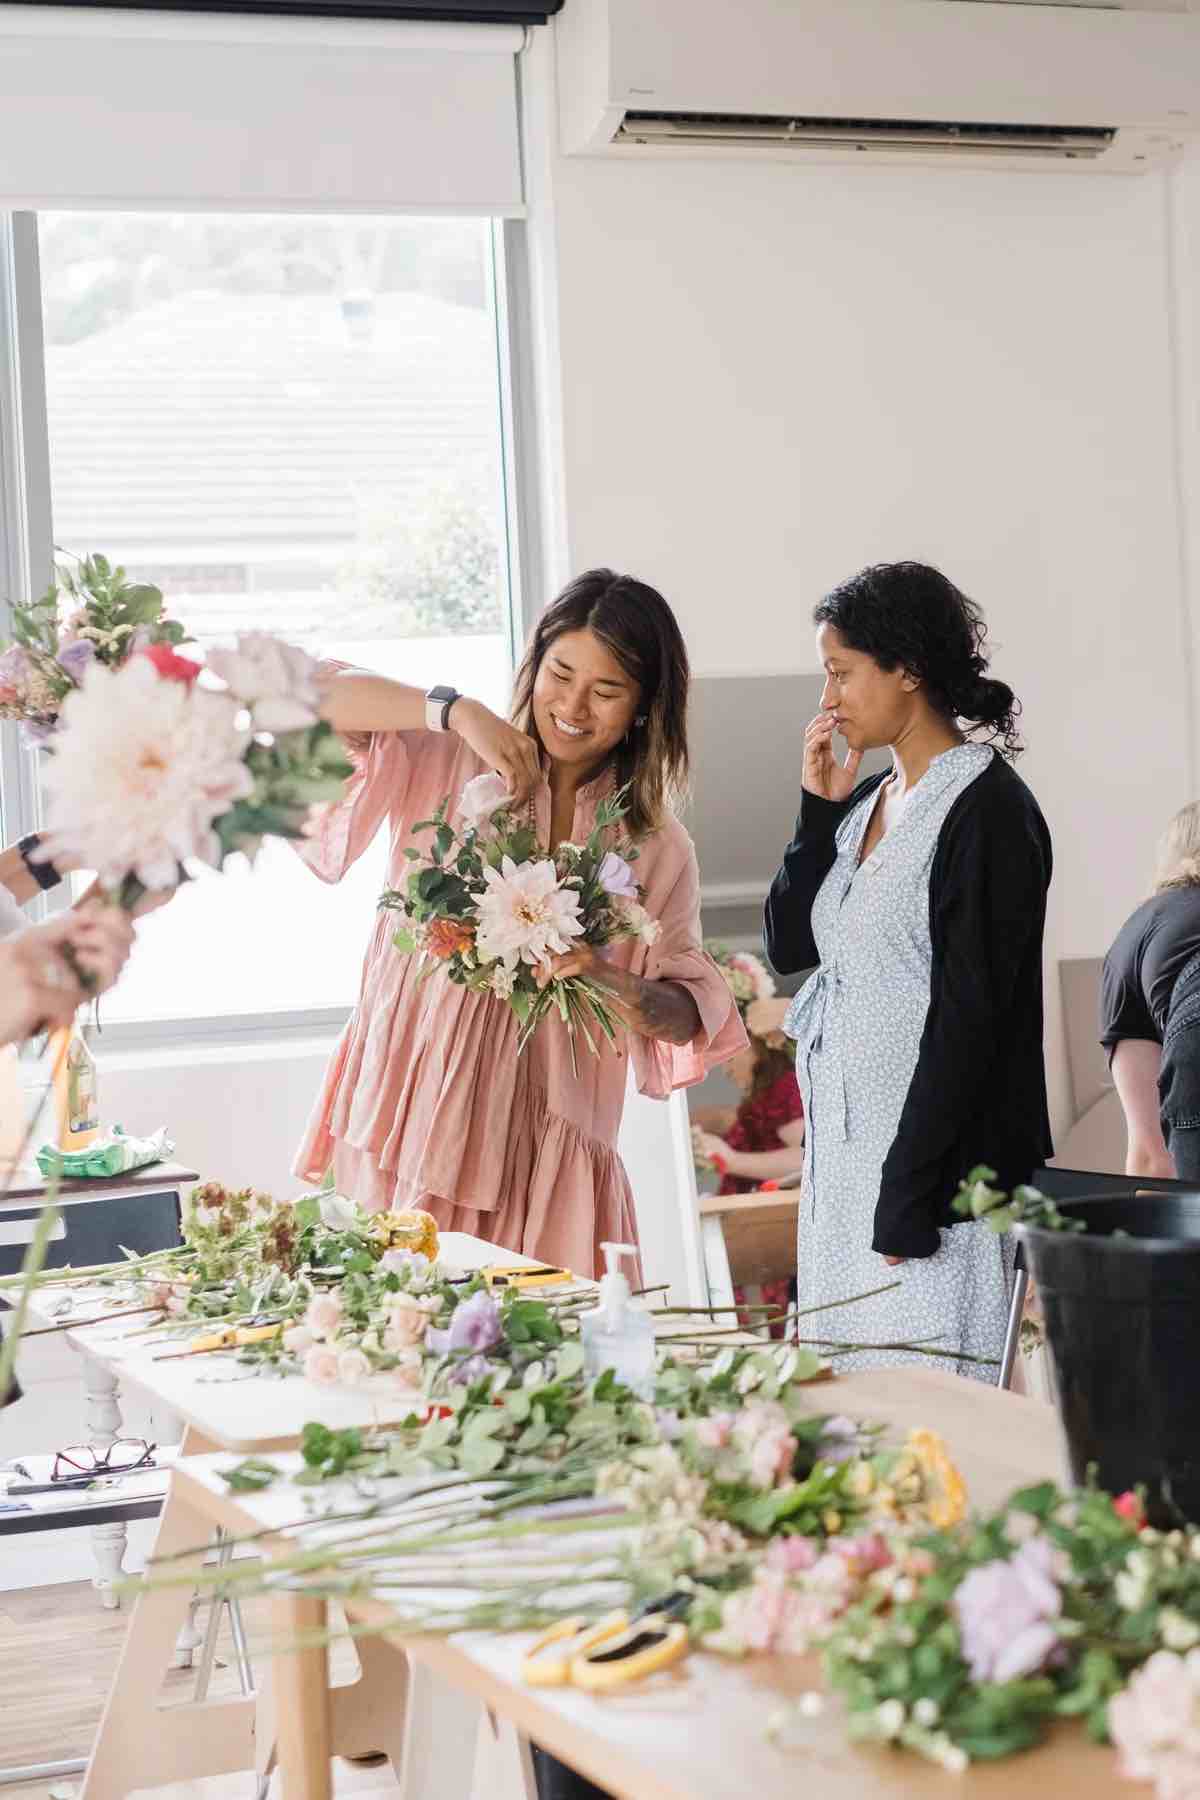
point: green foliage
(977, 1199)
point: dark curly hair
(906, 615)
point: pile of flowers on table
(487, 906)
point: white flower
(762, 987)
(1177, 1631)
(525, 916)
(616, 876)
(337, 1213)
(502, 982)
(636, 920)
(890, 1717)
(353, 1367)
(926, 1712)
(483, 796)
(143, 765)
(277, 681)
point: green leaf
(251, 1475)
(569, 1361)
(481, 1455)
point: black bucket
(1123, 1327)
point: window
(293, 424)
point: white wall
(773, 373)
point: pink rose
(771, 1457)
(324, 1314)
(863, 1555)
(407, 1374)
(321, 1365)
(791, 1555)
(713, 1433)
(297, 1339)
(1158, 1710)
(158, 1294)
(353, 1368)
(407, 1320)
(177, 1305)
(1005, 1613)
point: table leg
(103, 1425)
(441, 1733)
(140, 1744)
(301, 1702)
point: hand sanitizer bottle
(618, 1334)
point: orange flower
(445, 938)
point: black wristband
(43, 871)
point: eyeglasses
(122, 1456)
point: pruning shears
(619, 1648)
(520, 1275)
(230, 1337)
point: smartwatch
(42, 870)
(438, 702)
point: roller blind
(117, 108)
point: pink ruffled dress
(426, 1102)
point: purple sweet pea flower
(474, 1368)
(399, 1262)
(1006, 1613)
(474, 1325)
(616, 877)
(76, 658)
(839, 1441)
(669, 1424)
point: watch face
(442, 694)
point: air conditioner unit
(1081, 84)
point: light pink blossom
(324, 1314)
(482, 797)
(713, 1432)
(1154, 1722)
(321, 1365)
(408, 1372)
(1006, 1613)
(297, 1339)
(771, 1458)
(407, 1320)
(526, 915)
(353, 1367)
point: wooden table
(699, 1734)
(223, 1406)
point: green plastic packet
(112, 1154)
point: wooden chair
(747, 1239)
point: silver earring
(641, 719)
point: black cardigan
(978, 1091)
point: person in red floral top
(762, 1140)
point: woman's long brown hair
(636, 624)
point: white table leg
(441, 1732)
(103, 1424)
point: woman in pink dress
(426, 1102)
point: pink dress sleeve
(376, 789)
(660, 1067)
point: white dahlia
(525, 916)
(142, 766)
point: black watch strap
(42, 870)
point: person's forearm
(653, 1009)
(354, 701)
(1152, 1161)
(764, 1165)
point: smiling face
(873, 706)
(583, 701)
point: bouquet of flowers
(92, 614)
(490, 907)
(158, 761)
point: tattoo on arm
(654, 1009)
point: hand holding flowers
(502, 917)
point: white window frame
(27, 560)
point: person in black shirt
(1150, 1012)
(921, 1033)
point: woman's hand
(715, 1149)
(584, 962)
(514, 755)
(823, 774)
(38, 987)
(894, 1262)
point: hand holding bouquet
(94, 616)
(494, 910)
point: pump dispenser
(618, 1334)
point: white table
(138, 1745)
